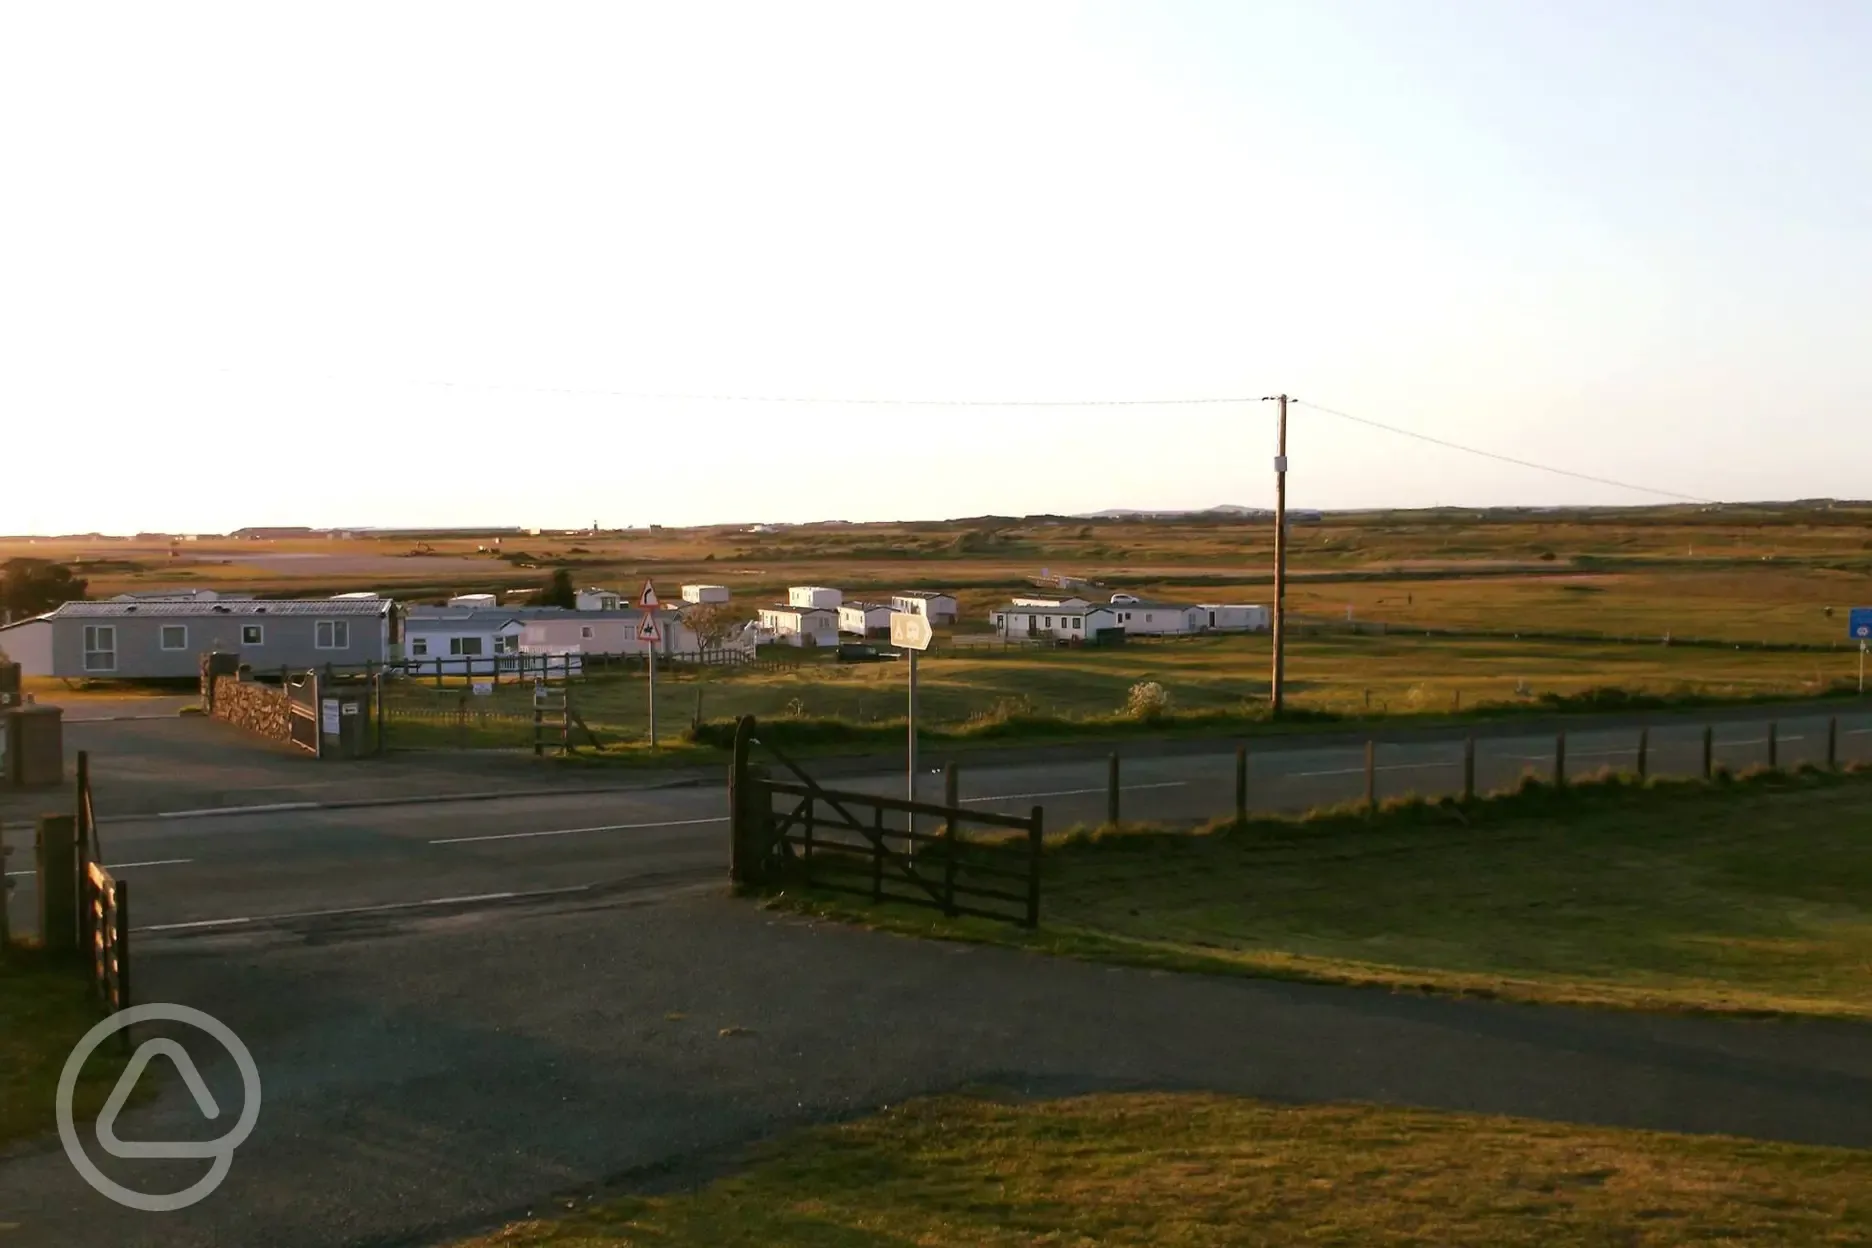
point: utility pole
(1277, 683)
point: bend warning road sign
(649, 598)
(912, 632)
(648, 630)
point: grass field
(1343, 675)
(1783, 575)
(1194, 1171)
(46, 1005)
(1751, 895)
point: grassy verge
(1748, 895)
(46, 1005)
(1193, 1171)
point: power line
(827, 400)
(1506, 459)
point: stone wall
(260, 709)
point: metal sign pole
(1862, 650)
(910, 769)
(652, 695)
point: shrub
(1147, 700)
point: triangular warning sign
(648, 631)
(649, 598)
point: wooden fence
(977, 862)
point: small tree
(713, 623)
(559, 591)
(34, 586)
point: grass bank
(1194, 1171)
(1749, 895)
(46, 1006)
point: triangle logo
(126, 1084)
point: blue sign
(1859, 623)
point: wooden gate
(103, 905)
(795, 830)
(302, 712)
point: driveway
(426, 1076)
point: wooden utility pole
(1278, 680)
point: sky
(461, 263)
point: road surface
(284, 865)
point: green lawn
(46, 1006)
(1194, 1171)
(1747, 896)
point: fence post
(1774, 745)
(806, 842)
(1559, 760)
(951, 785)
(438, 671)
(1832, 742)
(6, 889)
(1644, 751)
(1709, 750)
(1241, 784)
(55, 846)
(1371, 776)
(1111, 789)
(740, 802)
(1468, 769)
(877, 854)
(1036, 845)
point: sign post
(648, 633)
(911, 633)
(1859, 627)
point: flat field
(1453, 607)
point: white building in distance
(813, 596)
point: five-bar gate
(959, 861)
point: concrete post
(56, 847)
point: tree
(713, 623)
(559, 591)
(34, 586)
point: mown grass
(1192, 1171)
(46, 1006)
(1748, 895)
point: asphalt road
(279, 865)
(437, 1073)
(467, 1011)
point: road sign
(910, 631)
(1859, 623)
(649, 598)
(647, 630)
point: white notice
(328, 715)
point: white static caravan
(705, 593)
(814, 596)
(936, 608)
(801, 626)
(1234, 617)
(596, 599)
(866, 619)
(1143, 618)
(1082, 622)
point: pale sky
(411, 264)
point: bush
(1147, 700)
